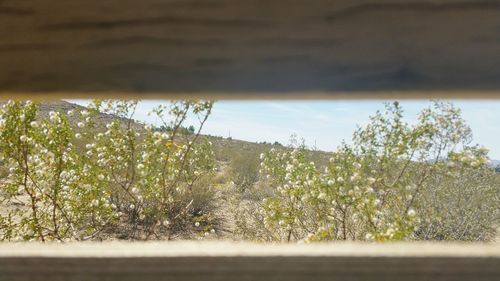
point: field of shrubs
(71, 173)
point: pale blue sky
(325, 123)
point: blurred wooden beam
(244, 261)
(250, 48)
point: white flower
(70, 112)
(78, 135)
(100, 177)
(411, 212)
(212, 230)
(166, 222)
(85, 113)
(140, 166)
(34, 124)
(331, 182)
(147, 127)
(135, 190)
(54, 118)
(390, 232)
(80, 125)
(23, 138)
(196, 224)
(371, 180)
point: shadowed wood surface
(244, 261)
(255, 48)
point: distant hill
(225, 149)
(64, 106)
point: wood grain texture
(226, 48)
(243, 261)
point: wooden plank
(250, 48)
(244, 261)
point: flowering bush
(75, 183)
(373, 188)
(68, 176)
(46, 175)
(461, 203)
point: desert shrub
(247, 210)
(48, 178)
(125, 176)
(151, 173)
(374, 188)
(244, 170)
(461, 202)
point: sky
(324, 124)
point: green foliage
(181, 130)
(125, 175)
(48, 176)
(244, 170)
(70, 177)
(461, 203)
(376, 187)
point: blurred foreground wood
(244, 261)
(250, 48)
